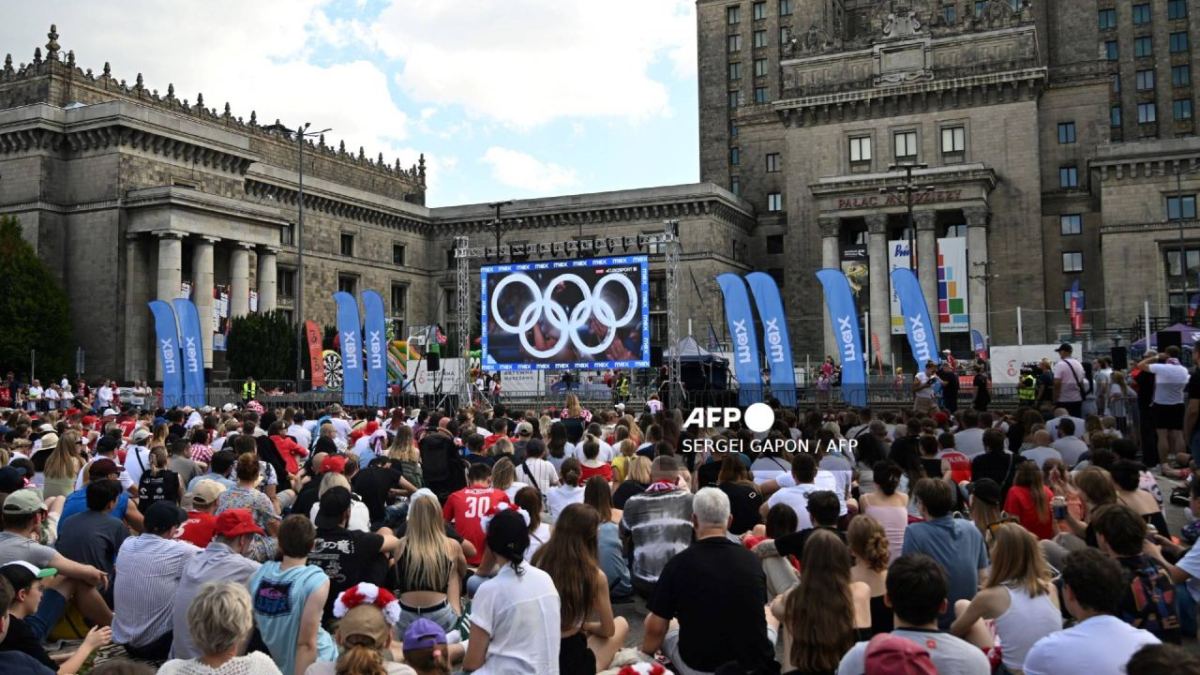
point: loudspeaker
(1120, 358)
(1168, 338)
(433, 362)
(656, 357)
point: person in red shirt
(466, 508)
(591, 464)
(955, 465)
(288, 448)
(499, 430)
(1029, 501)
(201, 524)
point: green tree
(262, 345)
(34, 312)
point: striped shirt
(148, 570)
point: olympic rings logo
(592, 305)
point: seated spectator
(953, 543)
(218, 470)
(1068, 445)
(916, 592)
(158, 483)
(125, 510)
(995, 463)
(637, 479)
(515, 618)
(429, 569)
(180, 462)
(246, 495)
(590, 462)
(1099, 643)
(534, 469)
(360, 513)
(745, 499)
(955, 465)
(504, 477)
(348, 556)
(781, 572)
(822, 513)
(200, 525)
(1149, 599)
(1156, 659)
(1018, 597)
(869, 545)
(530, 500)
(570, 491)
(1126, 474)
(1042, 450)
(287, 447)
(18, 662)
(466, 507)
(94, 537)
(223, 559)
(148, 569)
(804, 473)
(366, 617)
(1029, 500)
(609, 551)
(199, 450)
(425, 649)
(656, 524)
(219, 621)
(288, 597)
(26, 581)
(888, 506)
(726, 622)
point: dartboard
(333, 368)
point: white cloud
(526, 172)
(255, 55)
(527, 62)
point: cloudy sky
(506, 98)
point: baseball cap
(228, 407)
(986, 489)
(206, 409)
(1065, 347)
(206, 492)
(333, 505)
(12, 478)
(236, 522)
(423, 634)
(524, 429)
(140, 434)
(334, 464)
(103, 468)
(23, 502)
(49, 441)
(22, 574)
(889, 654)
(110, 412)
(161, 517)
(46, 429)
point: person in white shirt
(52, 397)
(1042, 450)
(795, 495)
(1070, 446)
(104, 396)
(137, 455)
(1100, 643)
(1170, 401)
(534, 469)
(569, 492)
(299, 431)
(969, 441)
(1060, 414)
(1103, 380)
(1068, 381)
(340, 425)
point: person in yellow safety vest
(249, 389)
(622, 388)
(1027, 390)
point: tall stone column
(137, 314)
(977, 266)
(267, 293)
(170, 276)
(881, 286)
(239, 281)
(830, 229)
(202, 291)
(927, 261)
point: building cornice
(186, 198)
(939, 176)
(1145, 159)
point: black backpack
(160, 487)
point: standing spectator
(515, 616)
(1099, 643)
(222, 560)
(924, 396)
(466, 508)
(726, 622)
(1143, 382)
(148, 570)
(1168, 403)
(983, 388)
(954, 543)
(219, 620)
(1068, 382)
(288, 597)
(656, 524)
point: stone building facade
(1045, 136)
(129, 195)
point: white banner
(523, 382)
(1007, 361)
(427, 382)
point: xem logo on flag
(846, 336)
(742, 342)
(170, 367)
(350, 349)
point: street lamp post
(498, 224)
(908, 188)
(302, 132)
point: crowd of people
(254, 540)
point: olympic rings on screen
(592, 305)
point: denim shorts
(444, 617)
(50, 612)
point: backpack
(162, 486)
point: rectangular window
(733, 130)
(1143, 46)
(451, 260)
(1145, 80)
(785, 35)
(1177, 9)
(285, 282)
(1181, 207)
(735, 43)
(980, 7)
(735, 99)
(1072, 261)
(1114, 117)
(1112, 50)
(860, 149)
(774, 244)
(399, 311)
(398, 254)
(1147, 113)
(348, 284)
(950, 14)
(905, 145)
(772, 162)
(735, 185)
(1066, 132)
(1182, 109)
(1071, 223)
(1116, 83)
(760, 39)
(760, 67)
(954, 144)
(1141, 14)
(1068, 177)
(775, 202)
(347, 244)
(733, 15)
(1181, 76)
(735, 156)
(1108, 19)
(735, 71)
(1179, 42)
(760, 11)
(287, 234)
(785, 7)
(760, 95)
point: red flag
(316, 366)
